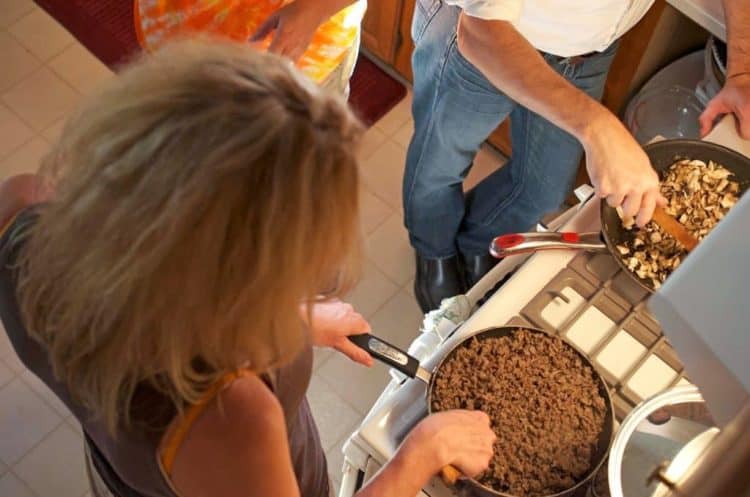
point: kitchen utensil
(402, 361)
(662, 155)
(670, 225)
(668, 426)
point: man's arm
(619, 169)
(735, 96)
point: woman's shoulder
(238, 440)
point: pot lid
(653, 436)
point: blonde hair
(200, 198)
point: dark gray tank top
(128, 464)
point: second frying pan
(662, 155)
(410, 366)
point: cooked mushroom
(698, 195)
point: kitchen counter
(725, 133)
(707, 13)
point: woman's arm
(238, 448)
(20, 191)
(463, 439)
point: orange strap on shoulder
(8, 224)
(176, 433)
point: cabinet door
(380, 28)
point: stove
(583, 297)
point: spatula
(674, 228)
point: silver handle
(521, 243)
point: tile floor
(45, 73)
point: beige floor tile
(383, 172)
(334, 416)
(42, 470)
(396, 117)
(335, 460)
(45, 393)
(321, 356)
(389, 248)
(75, 425)
(13, 10)
(41, 34)
(372, 139)
(409, 288)
(12, 486)
(6, 374)
(372, 211)
(359, 385)
(25, 419)
(41, 99)
(13, 131)
(54, 132)
(15, 60)
(372, 291)
(487, 161)
(8, 354)
(26, 159)
(81, 69)
(404, 134)
(399, 320)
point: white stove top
(584, 298)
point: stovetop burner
(598, 308)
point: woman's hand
(295, 24)
(332, 322)
(460, 438)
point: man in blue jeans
(544, 64)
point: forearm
(524, 76)
(325, 9)
(737, 15)
(404, 476)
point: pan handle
(387, 353)
(521, 243)
(450, 475)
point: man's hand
(332, 322)
(620, 170)
(734, 98)
(295, 24)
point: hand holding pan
(400, 360)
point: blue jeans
(455, 108)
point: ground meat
(544, 403)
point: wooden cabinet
(380, 28)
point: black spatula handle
(387, 353)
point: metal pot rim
(675, 395)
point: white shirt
(562, 27)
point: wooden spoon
(670, 225)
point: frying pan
(402, 361)
(662, 155)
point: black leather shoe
(436, 280)
(476, 266)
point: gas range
(583, 297)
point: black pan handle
(387, 353)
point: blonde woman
(154, 280)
